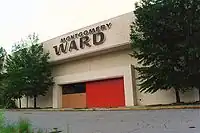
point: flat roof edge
(86, 26)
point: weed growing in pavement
(21, 126)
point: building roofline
(87, 26)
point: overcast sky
(51, 18)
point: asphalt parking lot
(147, 121)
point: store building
(92, 68)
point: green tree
(14, 77)
(165, 40)
(2, 59)
(192, 41)
(5, 101)
(28, 69)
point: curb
(134, 108)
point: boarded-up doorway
(74, 95)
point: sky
(51, 18)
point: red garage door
(105, 93)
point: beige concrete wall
(104, 61)
(42, 101)
(165, 97)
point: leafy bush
(10, 105)
(6, 101)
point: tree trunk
(35, 101)
(199, 94)
(27, 102)
(20, 103)
(177, 96)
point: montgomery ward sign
(81, 40)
